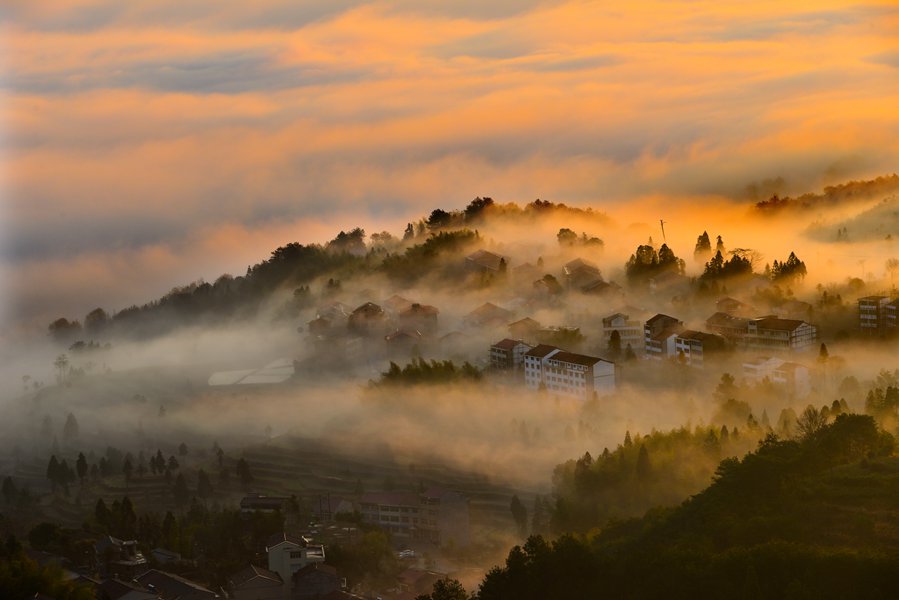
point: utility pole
(662, 223)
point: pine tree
(53, 472)
(204, 486)
(180, 491)
(81, 467)
(614, 348)
(101, 513)
(70, 429)
(643, 465)
(127, 470)
(520, 515)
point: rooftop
(507, 344)
(578, 359)
(252, 572)
(174, 586)
(778, 324)
(486, 259)
(541, 350)
(661, 318)
(282, 537)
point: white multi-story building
(508, 354)
(287, 554)
(567, 373)
(782, 334)
(694, 347)
(436, 515)
(877, 315)
(793, 376)
(659, 335)
(631, 331)
(765, 333)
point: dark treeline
(659, 469)
(293, 267)
(832, 194)
(421, 371)
(812, 517)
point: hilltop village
(170, 514)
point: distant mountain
(880, 222)
(852, 191)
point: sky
(149, 143)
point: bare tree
(810, 422)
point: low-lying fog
(495, 427)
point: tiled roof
(541, 350)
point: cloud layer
(134, 132)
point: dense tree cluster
(419, 259)
(718, 268)
(703, 249)
(421, 371)
(788, 270)
(642, 472)
(804, 518)
(645, 263)
(568, 238)
(21, 577)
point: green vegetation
(718, 268)
(787, 270)
(569, 238)
(419, 259)
(646, 263)
(659, 469)
(421, 371)
(846, 192)
(808, 518)
(21, 577)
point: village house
(315, 580)
(122, 557)
(119, 589)
(524, 329)
(765, 333)
(727, 325)
(607, 289)
(526, 274)
(174, 587)
(256, 583)
(694, 347)
(488, 315)
(484, 261)
(287, 554)
(579, 273)
(629, 330)
(420, 317)
(508, 354)
(403, 341)
(576, 375)
(368, 320)
(659, 336)
(335, 312)
(734, 307)
(396, 304)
